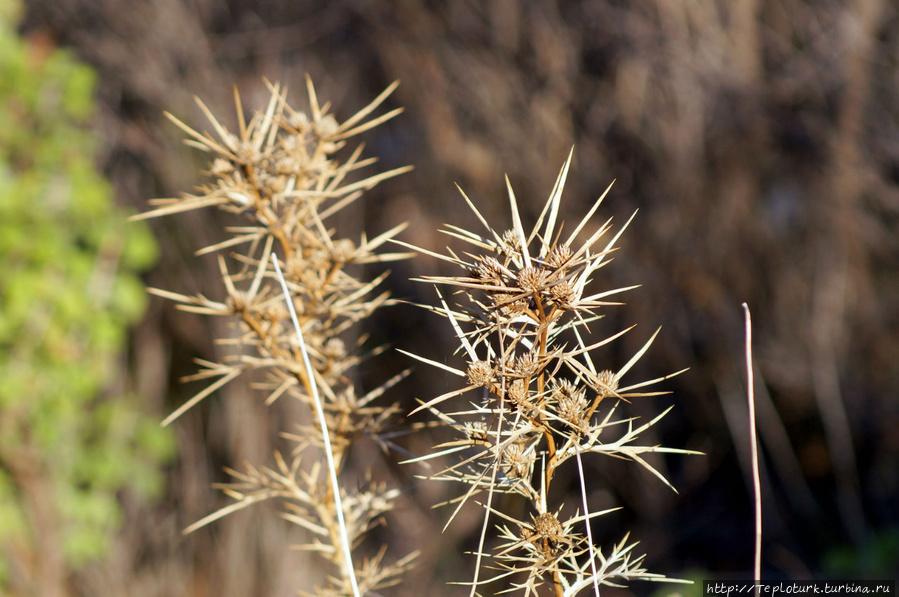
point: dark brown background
(759, 141)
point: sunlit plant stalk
(525, 304)
(285, 174)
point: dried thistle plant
(282, 172)
(526, 302)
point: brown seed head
(608, 383)
(480, 373)
(532, 279)
(511, 242)
(548, 525)
(516, 463)
(476, 431)
(526, 365)
(563, 294)
(571, 403)
(490, 271)
(559, 257)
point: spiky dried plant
(522, 320)
(283, 174)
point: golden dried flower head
(480, 373)
(511, 242)
(563, 294)
(343, 250)
(476, 431)
(525, 365)
(559, 256)
(516, 462)
(532, 279)
(571, 403)
(608, 383)
(489, 270)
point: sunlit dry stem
(753, 445)
(281, 171)
(523, 298)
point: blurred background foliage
(73, 438)
(758, 138)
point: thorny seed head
(489, 270)
(525, 365)
(547, 525)
(296, 265)
(571, 403)
(516, 462)
(480, 373)
(326, 127)
(546, 533)
(221, 167)
(277, 312)
(532, 279)
(503, 303)
(343, 250)
(298, 121)
(518, 394)
(476, 431)
(608, 383)
(316, 258)
(559, 257)
(563, 293)
(237, 301)
(334, 349)
(511, 242)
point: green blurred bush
(68, 291)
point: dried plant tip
(571, 404)
(343, 250)
(608, 383)
(518, 394)
(481, 374)
(517, 462)
(476, 431)
(563, 294)
(511, 242)
(281, 171)
(526, 365)
(559, 257)
(523, 303)
(532, 279)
